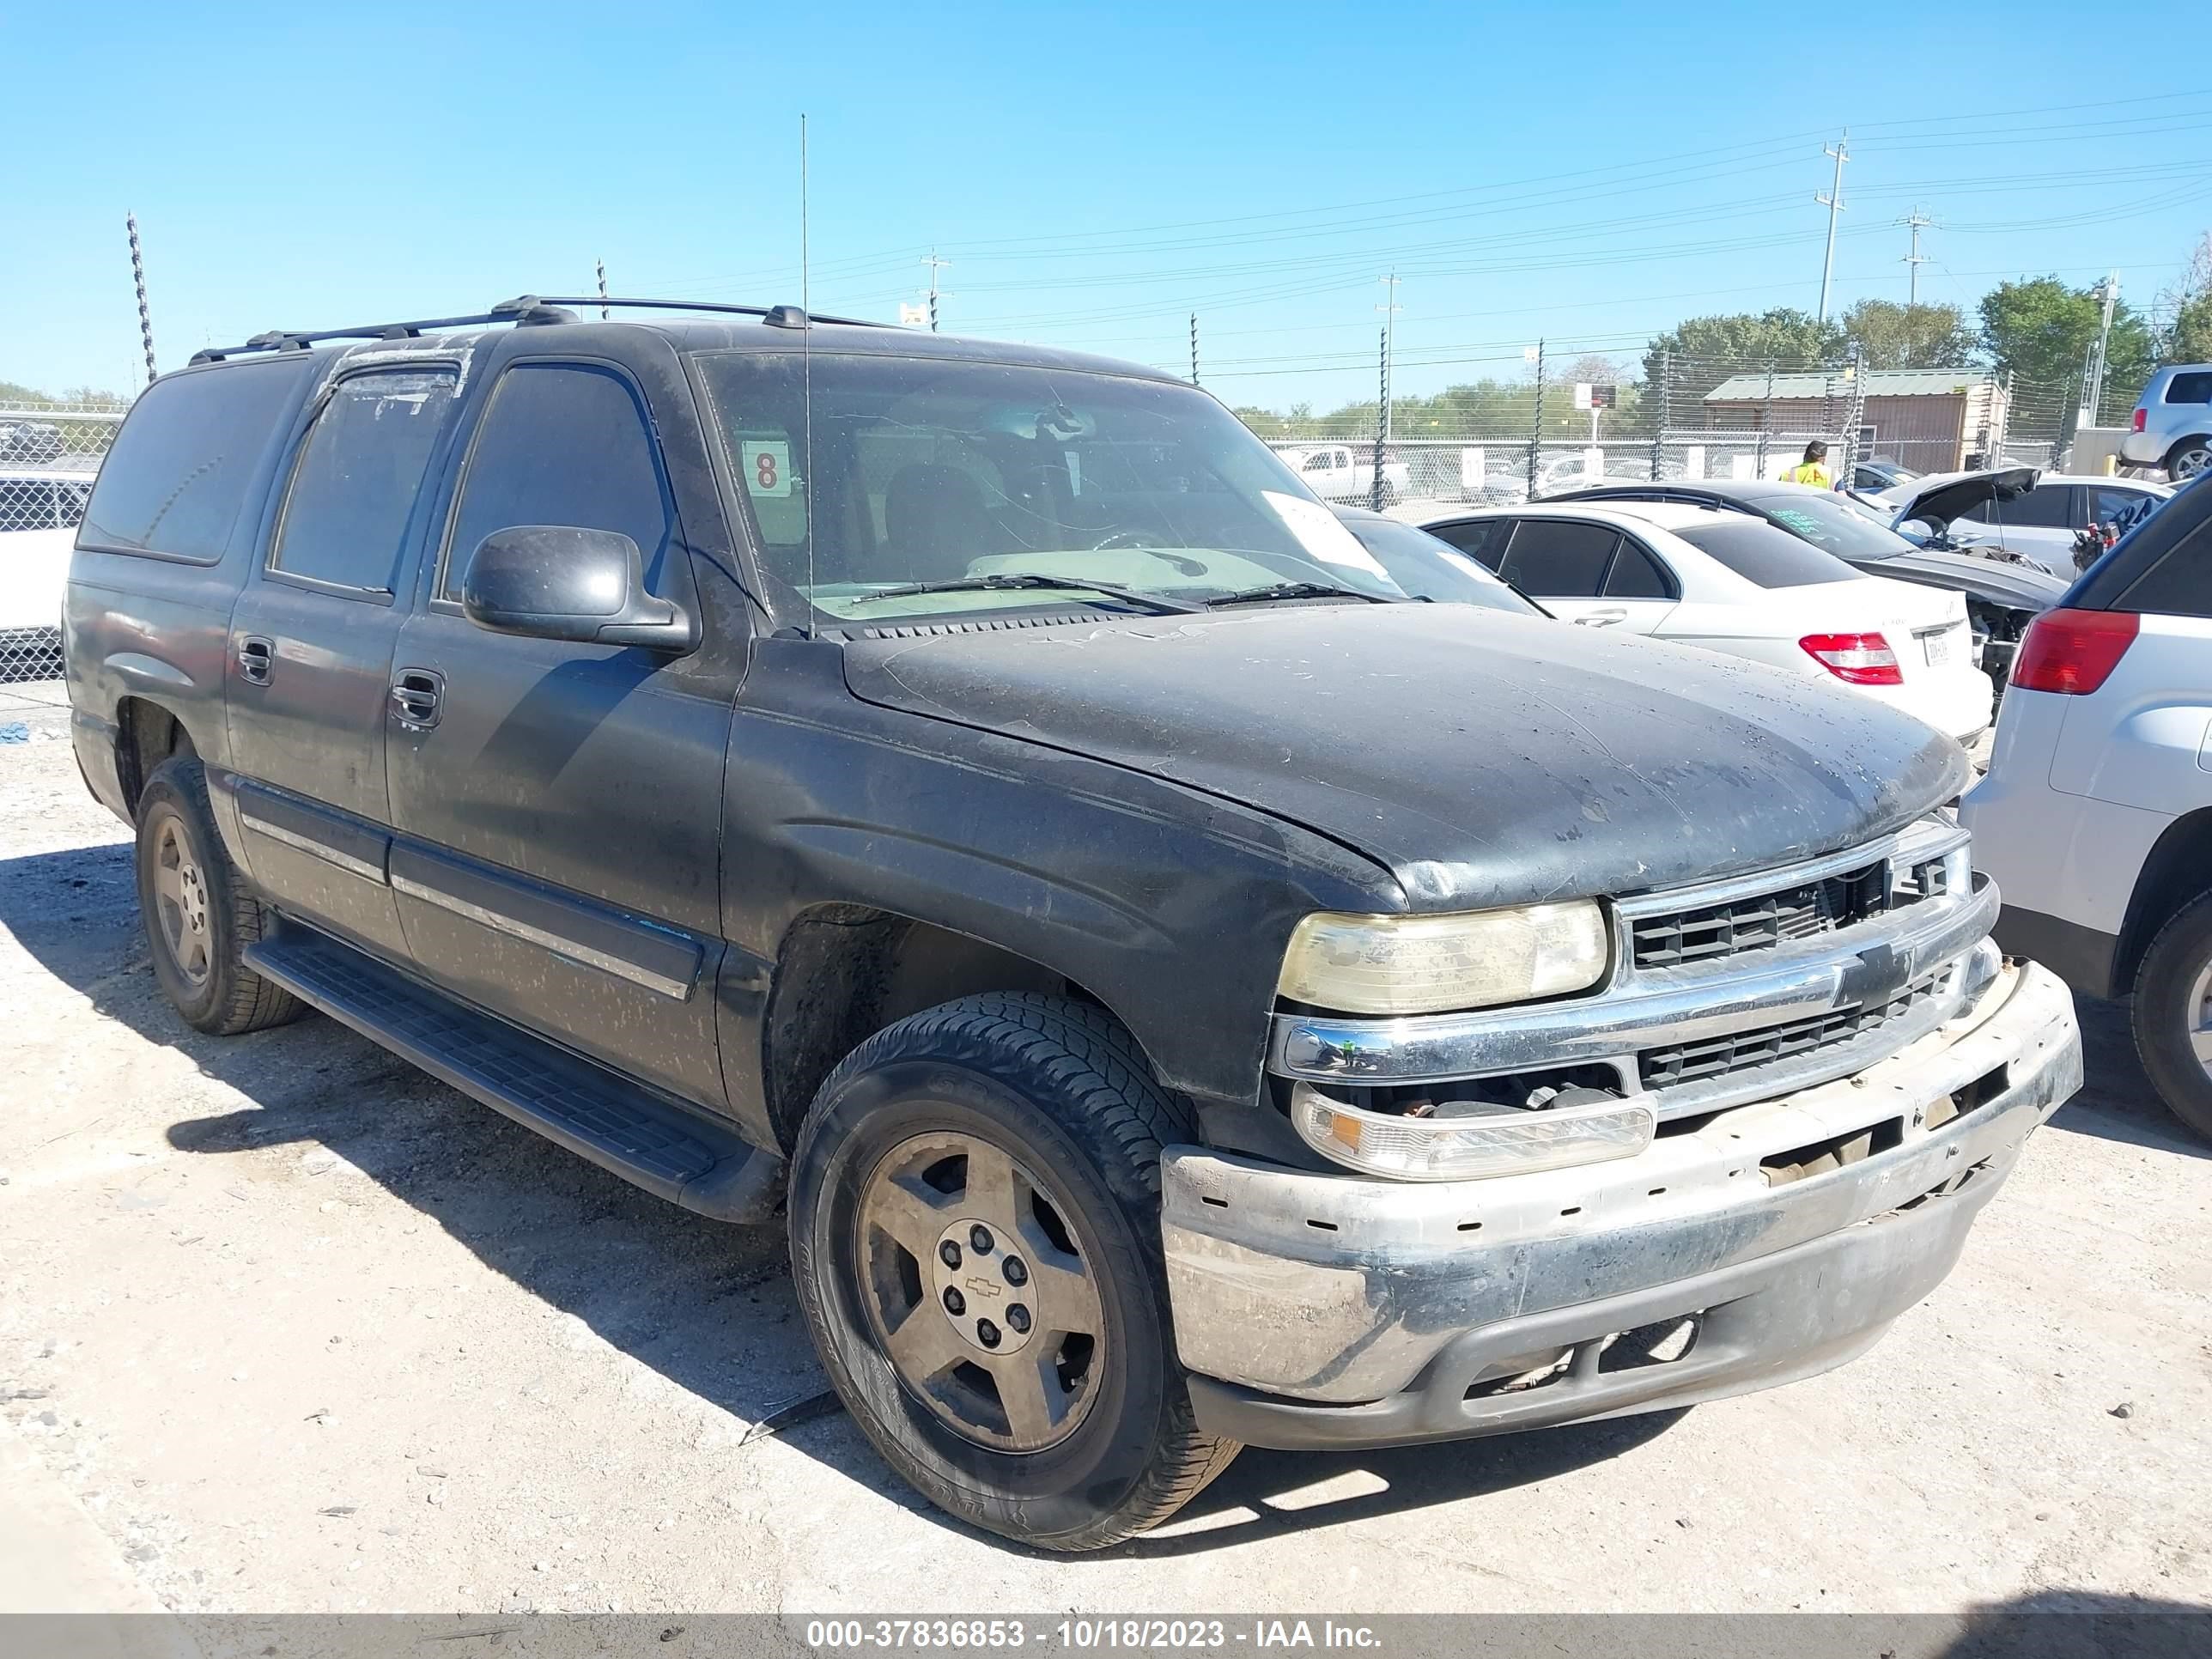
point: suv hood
(1484, 758)
(1943, 496)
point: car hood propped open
(1484, 758)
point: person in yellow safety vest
(1813, 469)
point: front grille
(1708, 931)
(1743, 1051)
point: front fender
(1170, 907)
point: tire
(200, 917)
(2170, 1007)
(2188, 458)
(1106, 1445)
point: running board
(675, 1153)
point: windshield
(1830, 524)
(927, 471)
(1429, 569)
(1760, 553)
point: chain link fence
(49, 454)
(1529, 429)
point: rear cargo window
(178, 476)
(2190, 389)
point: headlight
(1469, 1148)
(1425, 964)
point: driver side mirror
(1917, 529)
(555, 582)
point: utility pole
(1194, 348)
(1833, 200)
(600, 266)
(1917, 221)
(935, 265)
(2093, 378)
(138, 279)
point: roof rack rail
(524, 311)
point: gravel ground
(302, 1330)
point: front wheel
(2173, 1014)
(974, 1237)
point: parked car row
(1732, 582)
(2002, 596)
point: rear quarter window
(2180, 583)
(177, 478)
(2195, 388)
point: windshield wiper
(1009, 582)
(1272, 591)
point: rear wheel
(200, 917)
(975, 1234)
(2173, 1014)
(2189, 458)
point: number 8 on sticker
(766, 467)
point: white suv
(2096, 816)
(2172, 423)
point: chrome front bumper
(1332, 1309)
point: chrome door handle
(417, 695)
(1601, 618)
(257, 657)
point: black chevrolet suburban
(974, 799)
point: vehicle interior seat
(934, 523)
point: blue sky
(1093, 173)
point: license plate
(1942, 649)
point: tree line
(2037, 332)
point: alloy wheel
(180, 899)
(979, 1291)
(2197, 1009)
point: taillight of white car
(2073, 653)
(1856, 659)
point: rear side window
(2180, 583)
(354, 485)
(1636, 575)
(2194, 388)
(1760, 553)
(1482, 540)
(177, 477)
(561, 444)
(1558, 559)
(2046, 506)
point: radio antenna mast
(806, 372)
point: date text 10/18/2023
(1087, 1635)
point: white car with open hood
(1734, 584)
